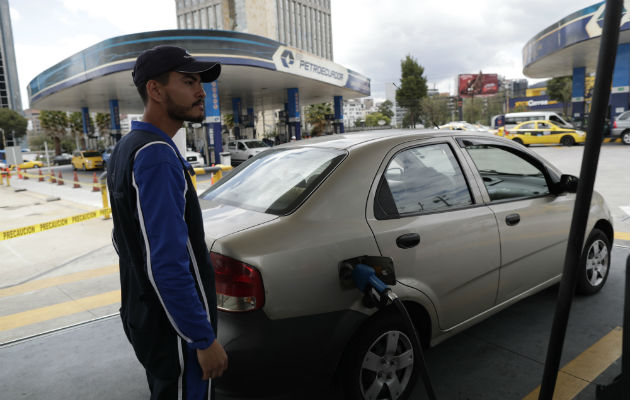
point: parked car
(26, 164)
(106, 154)
(62, 159)
(243, 149)
(621, 127)
(194, 158)
(542, 132)
(472, 222)
(87, 159)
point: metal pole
(605, 64)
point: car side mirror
(568, 183)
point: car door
(232, 150)
(428, 217)
(528, 132)
(547, 134)
(533, 222)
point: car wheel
(381, 361)
(567, 141)
(625, 137)
(594, 263)
(517, 140)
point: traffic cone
(95, 187)
(60, 180)
(19, 173)
(52, 177)
(41, 177)
(76, 181)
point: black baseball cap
(160, 59)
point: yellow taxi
(28, 164)
(87, 159)
(542, 132)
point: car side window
(624, 116)
(507, 175)
(555, 119)
(529, 125)
(241, 146)
(426, 179)
(232, 145)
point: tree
(12, 123)
(103, 123)
(435, 110)
(316, 117)
(413, 87)
(372, 119)
(54, 124)
(561, 89)
(385, 108)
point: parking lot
(500, 358)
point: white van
(512, 119)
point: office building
(9, 84)
(304, 24)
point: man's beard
(183, 113)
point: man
(168, 306)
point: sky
(446, 37)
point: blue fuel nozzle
(365, 277)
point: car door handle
(512, 219)
(408, 240)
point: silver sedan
(472, 223)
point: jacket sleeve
(159, 180)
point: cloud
(127, 16)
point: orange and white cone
(19, 173)
(95, 187)
(52, 177)
(41, 177)
(76, 181)
(60, 180)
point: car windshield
(276, 181)
(256, 144)
(91, 154)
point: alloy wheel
(597, 263)
(387, 366)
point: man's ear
(155, 90)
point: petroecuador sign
(296, 62)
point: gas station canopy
(255, 69)
(569, 43)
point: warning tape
(44, 226)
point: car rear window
(276, 181)
(91, 154)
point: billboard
(478, 85)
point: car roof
(538, 120)
(390, 136)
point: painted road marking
(17, 320)
(58, 280)
(622, 235)
(583, 369)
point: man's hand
(213, 360)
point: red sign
(478, 85)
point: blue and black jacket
(167, 281)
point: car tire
(517, 140)
(374, 357)
(625, 137)
(594, 263)
(567, 141)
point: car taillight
(615, 124)
(506, 132)
(239, 286)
